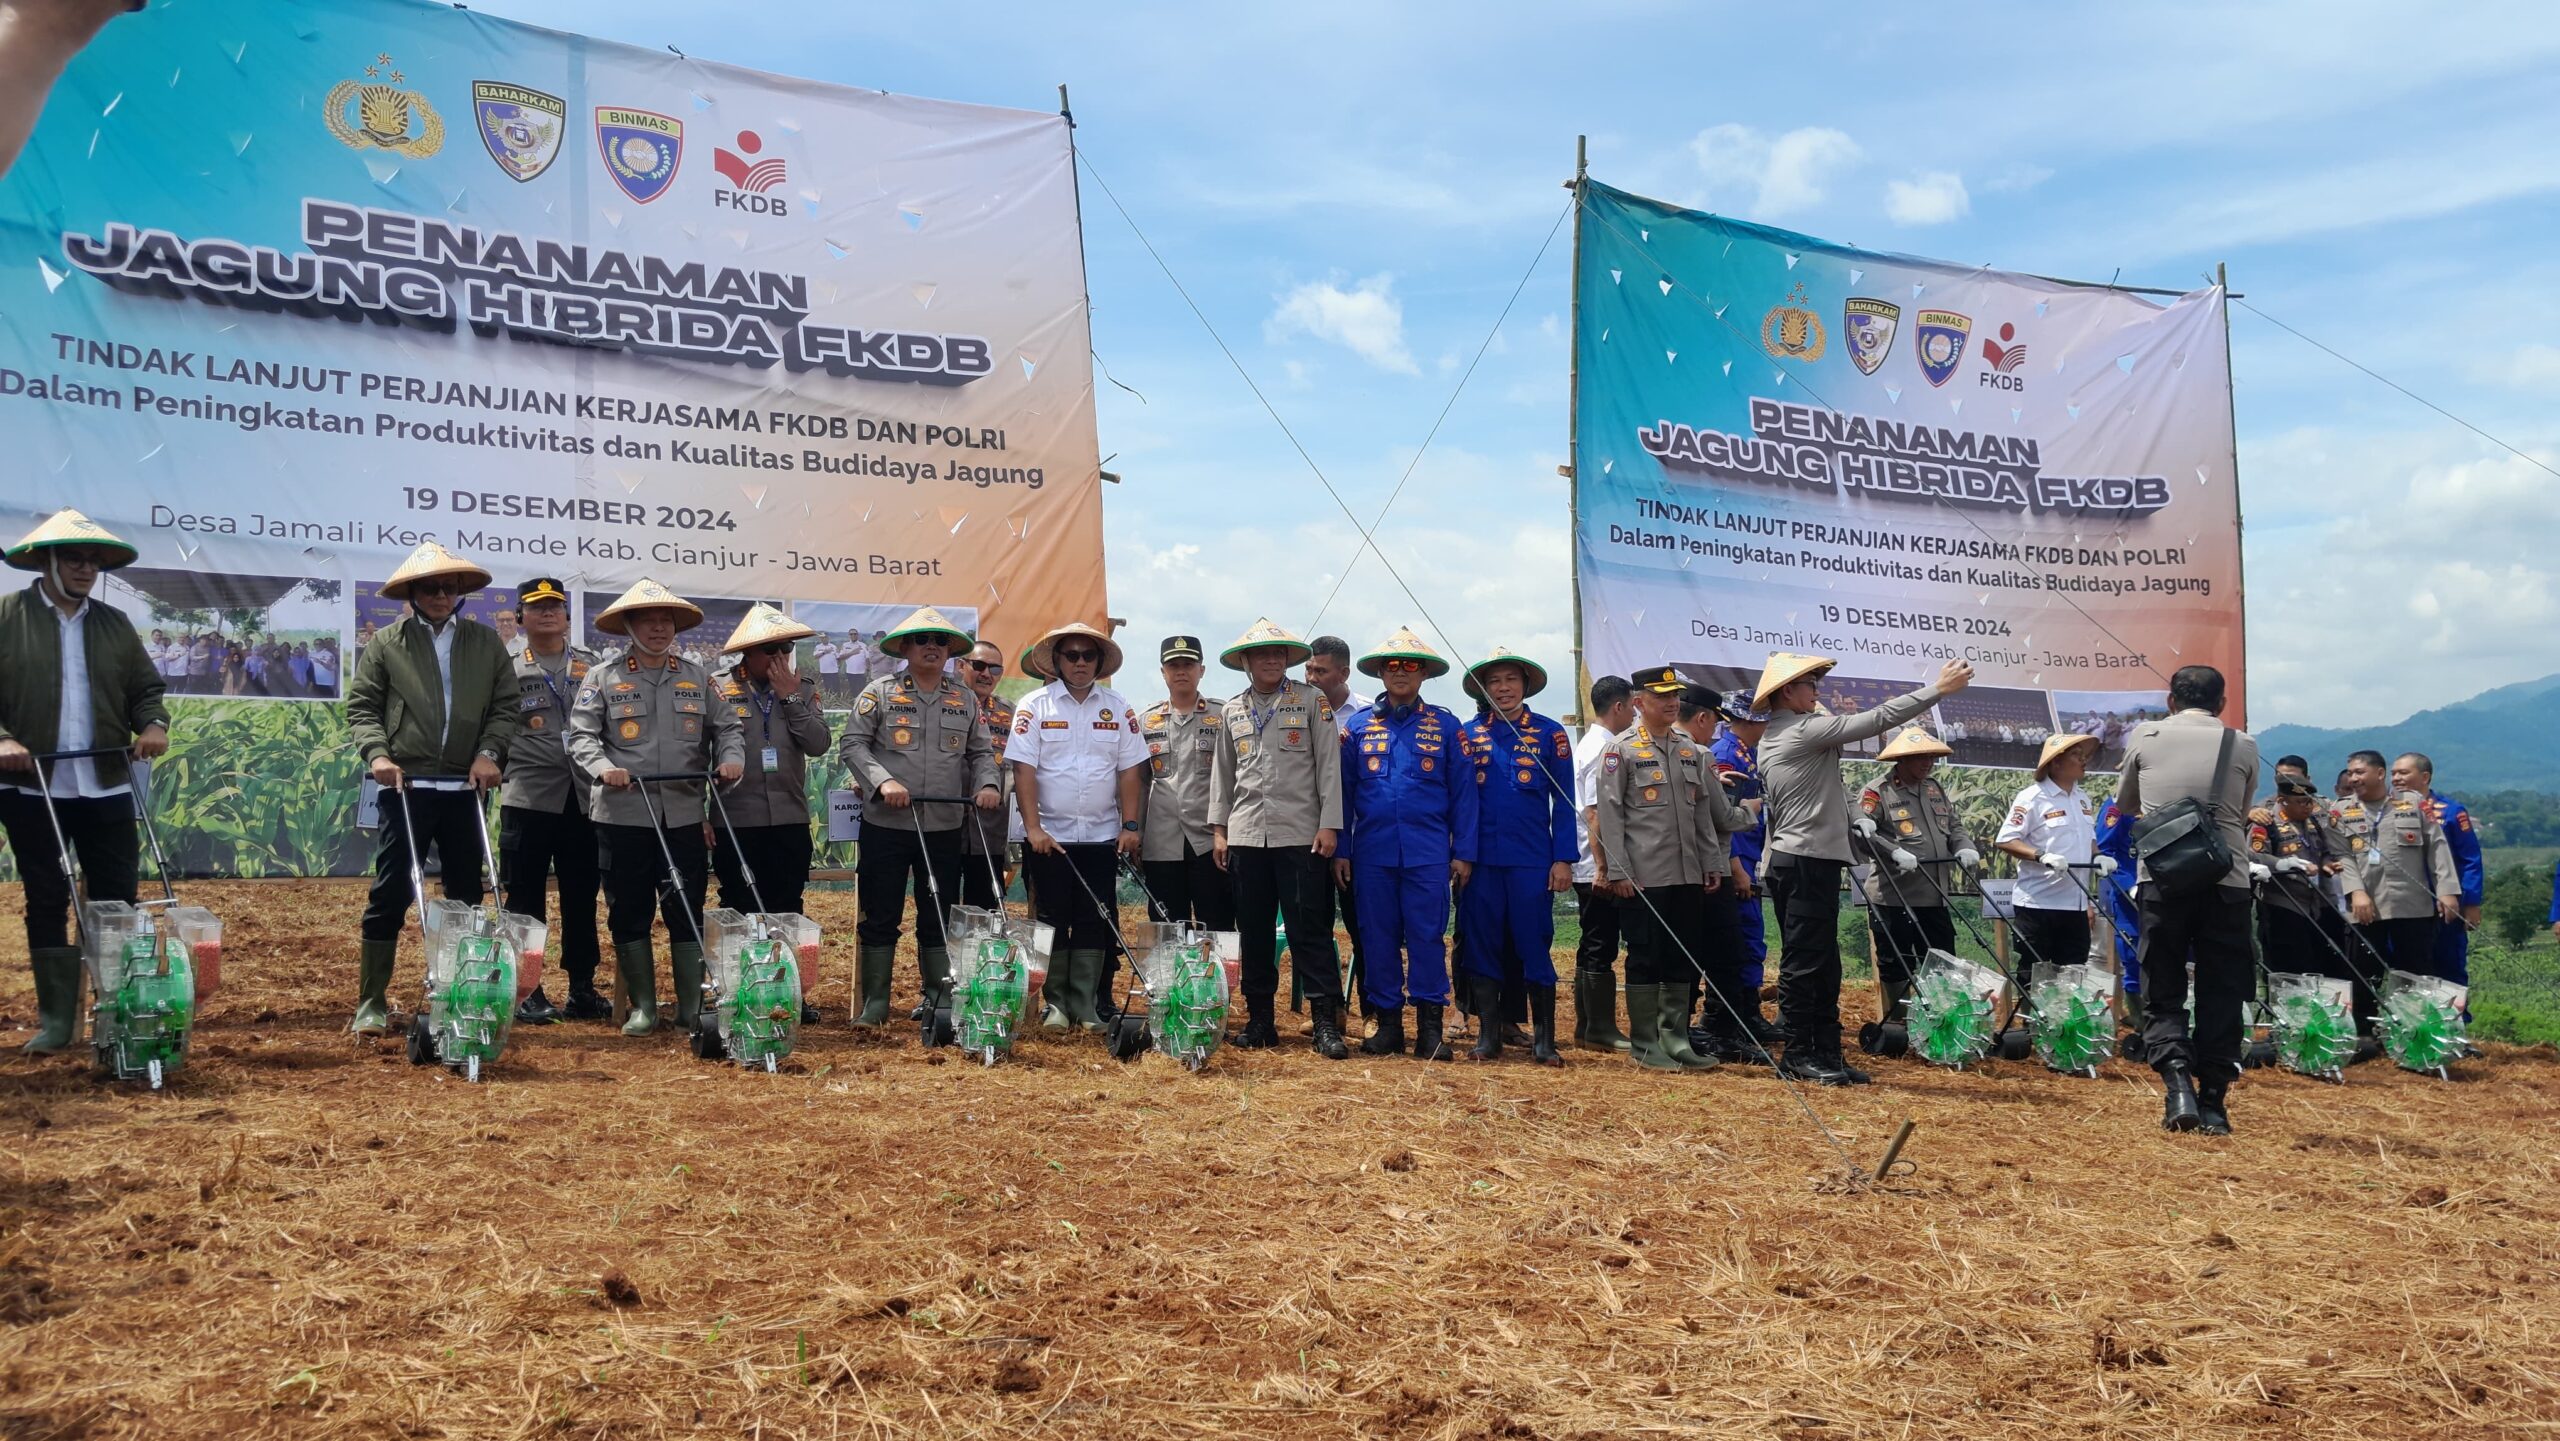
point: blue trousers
(1509, 919)
(2128, 929)
(1404, 929)
(1755, 940)
(2453, 953)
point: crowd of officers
(1675, 817)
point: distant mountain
(2503, 739)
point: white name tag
(844, 815)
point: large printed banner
(287, 288)
(1791, 445)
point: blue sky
(1351, 193)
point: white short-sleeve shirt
(1586, 796)
(1077, 750)
(2056, 821)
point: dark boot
(1388, 1040)
(1542, 1026)
(873, 967)
(1485, 999)
(810, 1015)
(57, 971)
(586, 1003)
(1839, 1060)
(1807, 1062)
(536, 1010)
(1760, 1028)
(1671, 1027)
(684, 960)
(373, 986)
(2213, 1117)
(1259, 1034)
(639, 966)
(1427, 1045)
(1644, 1022)
(1328, 1029)
(1595, 1012)
(2179, 1110)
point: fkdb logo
(749, 178)
(2004, 355)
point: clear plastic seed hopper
(481, 961)
(150, 967)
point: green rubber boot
(933, 964)
(1672, 1027)
(1644, 1020)
(873, 967)
(1595, 1012)
(1085, 970)
(684, 958)
(57, 970)
(373, 986)
(639, 967)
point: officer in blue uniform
(2115, 841)
(1408, 828)
(1524, 850)
(1738, 766)
(2414, 772)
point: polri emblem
(1939, 342)
(376, 114)
(521, 127)
(1868, 325)
(1792, 331)
(641, 149)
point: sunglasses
(435, 587)
(780, 647)
(1400, 667)
(1078, 657)
(982, 667)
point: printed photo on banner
(246, 637)
(2110, 715)
(847, 656)
(494, 607)
(1988, 725)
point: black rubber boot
(1389, 1038)
(1427, 1044)
(1542, 1026)
(1595, 1012)
(1328, 1029)
(1259, 1034)
(1836, 1058)
(1805, 1063)
(536, 1010)
(1761, 1028)
(1485, 999)
(586, 1003)
(2179, 1110)
(2212, 1115)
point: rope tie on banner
(1855, 1175)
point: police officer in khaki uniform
(782, 725)
(649, 711)
(2302, 846)
(542, 807)
(913, 734)
(1917, 842)
(2396, 850)
(986, 842)
(1275, 813)
(1183, 732)
(1666, 845)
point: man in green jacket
(432, 706)
(73, 676)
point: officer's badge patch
(1426, 765)
(1022, 726)
(1609, 763)
(1295, 736)
(901, 737)
(1868, 325)
(631, 730)
(867, 704)
(1651, 794)
(535, 722)
(1374, 763)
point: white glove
(2296, 865)
(2106, 865)
(1905, 860)
(1969, 858)
(1865, 826)
(2054, 862)
(2258, 872)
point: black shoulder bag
(2181, 847)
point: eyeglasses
(1078, 657)
(780, 647)
(982, 667)
(1400, 667)
(435, 587)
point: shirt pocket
(688, 715)
(954, 740)
(898, 730)
(627, 720)
(1292, 731)
(1650, 786)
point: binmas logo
(750, 179)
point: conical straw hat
(1405, 645)
(647, 595)
(1038, 660)
(926, 621)
(1915, 741)
(763, 626)
(1785, 669)
(1265, 632)
(69, 527)
(1533, 676)
(2056, 746)
(430, 562)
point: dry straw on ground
(308, 1237)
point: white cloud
(2017, 178)
(2527, 367)
(1367, 320)
(1933, 198)
(1784, 174)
